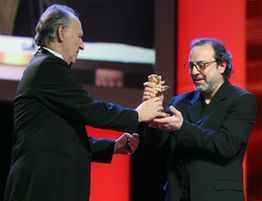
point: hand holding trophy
(154, 87)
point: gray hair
(49, 22)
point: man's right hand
(151, 92)
(150, 109)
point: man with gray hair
(52, 151)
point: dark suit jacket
(209, 148)
(52, 152)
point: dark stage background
(129, 21)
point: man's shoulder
(187, 96)
(44, 56)
(43, 60)
(236, 94)
(239, 91)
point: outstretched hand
(169, 123)
(126, 143)
(149, 109)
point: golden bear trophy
(156, 80)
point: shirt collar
(54, 53)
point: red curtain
(110, 182)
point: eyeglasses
(200, 65)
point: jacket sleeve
(102, 149)
(223, 138)
(58, 89)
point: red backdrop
(254, 84)
(110, 182)
(221, 19)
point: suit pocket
(233, 185)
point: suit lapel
(221, 95)
(194, 111)
(195, 108)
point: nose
(82, 46)
(194, 70)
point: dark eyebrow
(197, 61)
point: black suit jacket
(52, 152)
(208, 151)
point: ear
(222, 67)
(61, 33)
